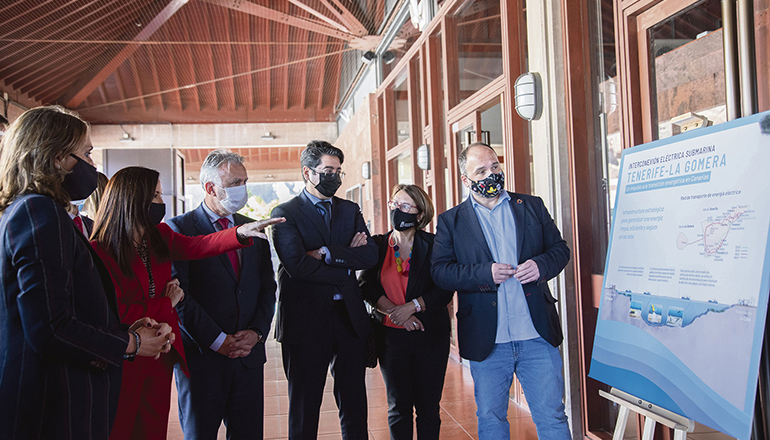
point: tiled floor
(458, 409)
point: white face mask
(237, 196)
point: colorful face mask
(490, 186)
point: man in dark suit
(322, 320)
(226, 313)
(498, 250)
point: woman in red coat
(138, 251)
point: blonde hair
(29, 149)
(91, 205)
(421, 199)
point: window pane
(403, 41)
(401, 93)
(479, 45)
(404, 169)
(688, 72)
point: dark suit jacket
(216, 301)
(462, 261)
(306, 286)
(56, 319)
(435, 317)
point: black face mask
(401, 220)
(81, 181)
(328, 185)
(157, 212)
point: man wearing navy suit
(226, 313)
(322, 320)
(498, 250)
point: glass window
(687, 70)
(403, 41)
(401, 95)
(404, 169)
(479, 45)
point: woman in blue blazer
(61, 341)
(413, 338)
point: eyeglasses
(404, 207)
(329, 175)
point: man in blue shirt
(498, 250)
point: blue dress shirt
(513, 320)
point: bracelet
(138, 342)
(417, 307)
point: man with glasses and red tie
(322, 320)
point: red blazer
(132, 291)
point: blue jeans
(537, 365)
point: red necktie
(79, 223)
(232, 255)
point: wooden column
(515, 129)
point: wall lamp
(528, 96)
(423, 157)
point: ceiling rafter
(192, 72)
(156, 78)
(121, 89)
(26, 24)
(83, 87)
(316, 13)
(203, 64)
(220, 61)
(325, 66)
(281, 17)
(47, 54)
(348, 15)
(297, 80)
(171, 72)
(242, 58)
(138, 82)
(11, 5)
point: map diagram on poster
(686, 281)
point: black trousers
(306, 366)
(414, 378)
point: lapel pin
(519, 201)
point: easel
(653, 414)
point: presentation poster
(686, 281)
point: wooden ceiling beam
(138, 83)
(50, 54)
(168, 57)
(162, 99)
(191, 71)
(325, 65)
(83, 87)
(241, 58)
(221, 65)
(346, 16)
(316, 13)
(281, 17)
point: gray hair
(463, 157)
(212, 163)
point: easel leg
(620, 426)
(649, 428)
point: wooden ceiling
(264, 163)
(182, 61)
